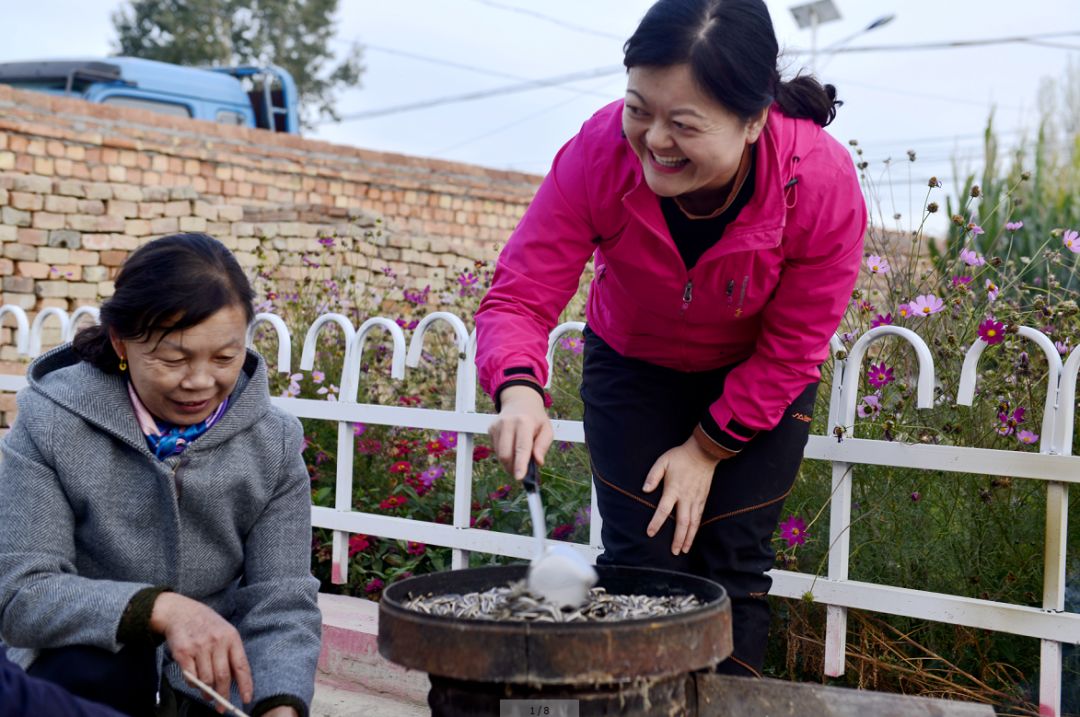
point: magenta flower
(879, 375)
(562, 532)
(413, 548)
(960, 281)
(327, 241)
(431, 475)
(870, 406)
(417, 298)
(467, 281)
(358, 429)
(971, 257)
(926, 304)
(881, 320)
(574, 344)
(373, 586)
(1010, 421)
(1027, 437)
(992, 332)
(916, 496)
(1013, 226)
(848, 337)
(447, 439)
(975, 229)
(1072, 240)
(877, 265)
(793, 530)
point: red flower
(479, 453)
(435, 448)
(393, 502)
(358, 544)
(562, 531)
(415, 548)
(401, 467)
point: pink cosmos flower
(975, 229)
(1071, 238)
(848, 337)
(960, 281)
(992, 291)
(431, 475)
(877, 265)
(318, 376)
(879, 375)
(793, 530)
(870, 406)
(574, 344)
(971, 257)
(1027, 437)
(1063, 347)
(926, 304)
(881, 320)
(992, 332)
(330, 391)
(903, 311)
(1013, 226)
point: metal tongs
(557, 573)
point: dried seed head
(959, 220)
(1025, 176)
(932, 207)
(975, 191)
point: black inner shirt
(693, 237)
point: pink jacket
(769, 294)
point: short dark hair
(731, 48)
(169, 284)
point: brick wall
(82, 185)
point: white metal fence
(1053, 464)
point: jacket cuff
(134, 628)
(732, 437)
(265, 705)
(518, 376)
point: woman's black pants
(634, 412)
(126, 680)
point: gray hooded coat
(89, 517)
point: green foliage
(294, 34)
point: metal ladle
(557, 573)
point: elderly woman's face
(183, 376)
(689, 144)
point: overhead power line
(943, 45)
(552, 20)
(482, 94)
(471, 68)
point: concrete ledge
(350, 659)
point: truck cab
(263, 97)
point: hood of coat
(102, 400)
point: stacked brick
(82, 185)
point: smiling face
(182, 377)
(688, 143)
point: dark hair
(170, 284)
(731, 48)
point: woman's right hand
(203, 643)
(521, 431)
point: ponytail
(805, 97)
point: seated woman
(155, 508)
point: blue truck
(250, 96)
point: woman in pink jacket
(726, 228)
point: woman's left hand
(283, 711)
(687, 473)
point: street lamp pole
(810, 15)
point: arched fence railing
(1053, 464)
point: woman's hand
(687, 473)
(283, 711)
(204, 643)
(522, 429)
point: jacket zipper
(687, 295)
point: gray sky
(933, 101)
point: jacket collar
(101, 399)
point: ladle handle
(531, 481)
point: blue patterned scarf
(165, 439)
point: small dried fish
(513, 603)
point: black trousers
(634, 412)
(127, 680)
